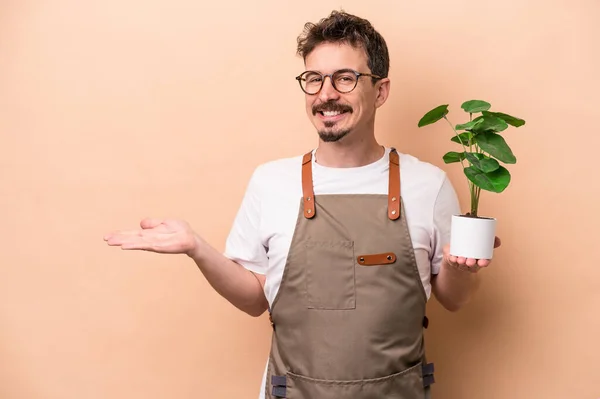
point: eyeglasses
(343, 80)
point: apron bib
(348, 317)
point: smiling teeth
(331, 113)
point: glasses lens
(344, 81)
(311, 82)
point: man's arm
(454, 280)
(240, 286)
(457, 280)
(452, 286)
(235, 283)
(238, 275)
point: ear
(383, 91)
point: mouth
(332, 115)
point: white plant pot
(472, 237)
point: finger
(121, 233)
(452, 259)
(461, 260)
(497, 242)
(122, 239)
(149, 223)
(144, 246)
(483, 262)
(130, 244)
(470, 262)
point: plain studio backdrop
(111, 111)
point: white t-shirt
(262, 231)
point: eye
(345, 78)
(312, 78)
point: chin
(329, 136)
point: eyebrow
(335, 70)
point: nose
(328, 92)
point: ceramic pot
(472, 237)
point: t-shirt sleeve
(244, 244)
(446, 205)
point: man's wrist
(198, 249)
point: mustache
(331, 106)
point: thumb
(446, 249)
(149, 223)
(497, 242)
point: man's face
(334, 114)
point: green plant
(483, 147)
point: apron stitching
(411, 254)
(299, 220)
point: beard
(330, 134)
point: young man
(343, 245)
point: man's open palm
(157, 235)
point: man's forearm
(232, 281)
(453, 288)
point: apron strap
(427, 372)
(394, 186)
(279, 384)
(307, 186)
(393, 191)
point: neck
(348, 153)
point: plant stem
(472, 188)
(475, 200)
(458, 136)
(472, 196)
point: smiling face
(336, 115)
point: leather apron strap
(307, 186)
(393, 191)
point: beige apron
(348, 317)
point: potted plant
(484, 150)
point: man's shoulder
(416, 169)
(427, 191)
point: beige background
(116, 110)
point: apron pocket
(407, 384)
(330, 275)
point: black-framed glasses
(343, 80)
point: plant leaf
(470, 125)
(495, 181)
(490, 123)
(511, 120)
(464, 137)
(452, 156)
(473, 106)
(434, 115)
(495, 145)
(482, 163)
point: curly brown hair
(341, 27)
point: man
(343, 245)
